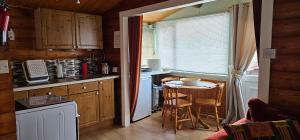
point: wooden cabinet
(106, 100)
(88, 31)
(95, 100)
(83, 87)
(87, 107)
(55, 29)
(20, 95)
(58, 91)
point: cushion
(275, 130)
(222, 135)
(261, 111)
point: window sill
(201, 75)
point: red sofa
(258, 111)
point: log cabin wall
(285, 69)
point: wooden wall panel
(285, 69)
(7, 123)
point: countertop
(62, 82)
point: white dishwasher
(53, 122)
(144, 101)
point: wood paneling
(11, 136)
(7, 123)
(87, 6)
(156, 17)
(7, 102)
(285, 71)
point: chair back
(170, 95)
(167, 79)
(219, 93)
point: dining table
(193, 90)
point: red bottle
(84, 69)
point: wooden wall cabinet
(88, 31)
(106, 100)
(57, 29)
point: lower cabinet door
(107, 100)
(87, 107)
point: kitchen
(69, 45)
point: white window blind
(197, 44)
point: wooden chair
(180, 95)
(173, 103)
(214, 102)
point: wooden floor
(149, 129)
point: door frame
(266, 36)
(265, 44)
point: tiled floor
(149, 129)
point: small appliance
(35, 71)
(105, 68)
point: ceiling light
(78, 1)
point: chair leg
(199, 119)
(164, 115)
(162, 111)
(217, 118)
(198, 115)
(191, 116)
(176, 119)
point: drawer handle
(84, 87)
(49, 93)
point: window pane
(198, 44)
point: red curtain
(135, 31)
(257, 21)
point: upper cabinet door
(88, 31)
(55, 29)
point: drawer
(21, 95)
(83, 87)
(58, 91)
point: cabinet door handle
(101, 83)
(84, 87)
(97, 93)
(49, 93)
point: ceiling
(158, 16)
(87, 6)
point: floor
(150, 129)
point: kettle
(105, 68)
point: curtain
(135, 31)
(257, 22)
(243, 47)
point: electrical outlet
(4, 68)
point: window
(147, 44)
(197, 44)
(253, 66)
